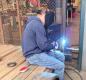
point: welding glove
(55, 43)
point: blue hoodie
(34, 39)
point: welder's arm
(42, 40)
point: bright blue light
(63, 42)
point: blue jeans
(54, 60)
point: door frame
(81, 33)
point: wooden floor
(10, 53)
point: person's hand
(55, 43)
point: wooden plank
(5, 47)
(35, 72)
(14, 57)
(2, 46)
(12, 75)
(2, 33)
(66, 77)
(73, 75)
(8, 50)
(18, 16)
(23, 76)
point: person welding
(37, 49)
